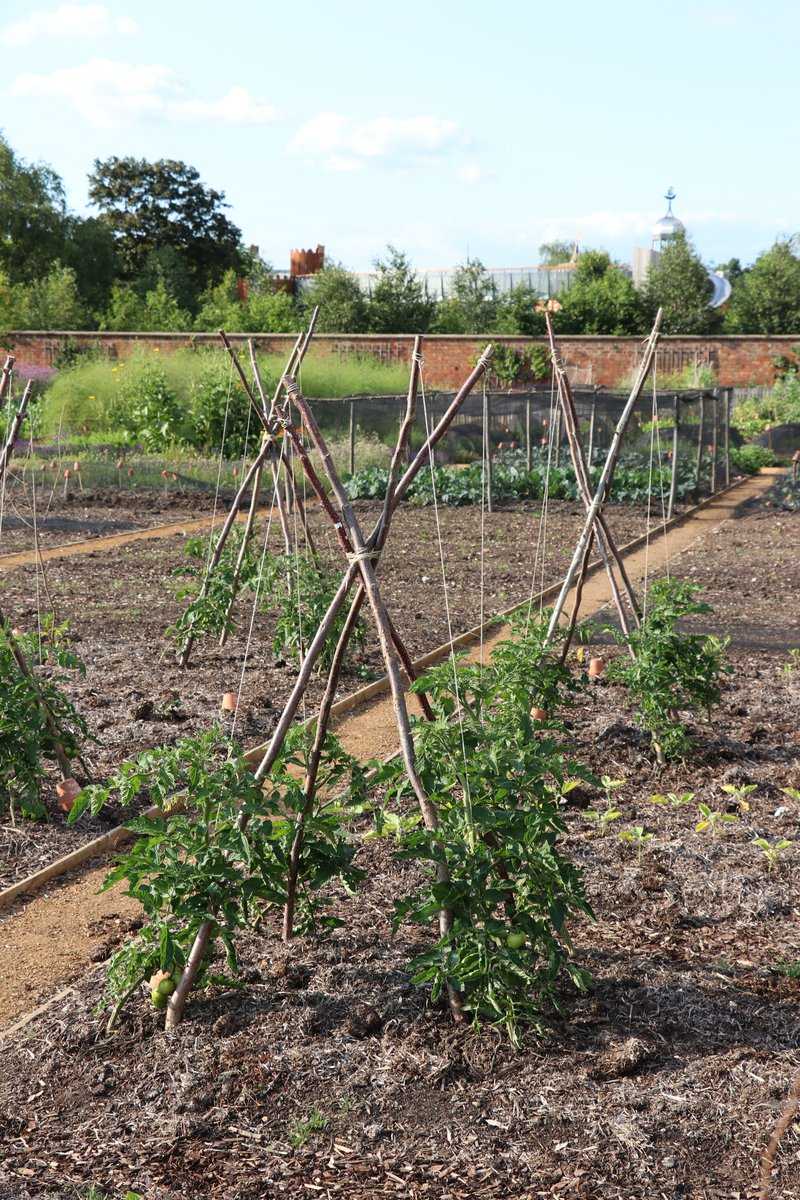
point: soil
(330, 1074)
(61, 520)
(120, 601)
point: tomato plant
(27, 739)
(497, 783)
(219, 850)
(672, 671)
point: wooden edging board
(120, 834)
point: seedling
(792, 793)
(602, 820)
(638, 836)
(793, 663)
(302, 1131)
(673, 799)
(740, 794)
(712, 820)
(772, 850)
(610, 785)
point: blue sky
(446, 128)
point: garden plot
(330, 1072)
(119, 603)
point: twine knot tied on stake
(290, 386)
(416, 357)
(362, 556)
(485, 358)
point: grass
(91, 398)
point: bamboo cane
(592, 419)
(607, 472)
(528, 447)
(727, 413)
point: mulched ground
(60, 519)
(330, 1076)
(134, 696)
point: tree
(400, 302)
(32, 216)
(518, 312)
(158, 310)
(90, 251)
(472, 305)
(342, 304)
(602, 299)
(552, 254)
(51, 302)
(679, 284)
(150, 206)
(766, 298)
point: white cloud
(472, 173)
(236, 107)
(345, 144)
(68, 20)
(106, 93)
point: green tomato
(158, 998)
(515, 940)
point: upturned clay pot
(67, 792)
(539, 714)
(596, 667)
(230, 702)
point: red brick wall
(738, 361)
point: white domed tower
(668, 227)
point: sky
(447, 129)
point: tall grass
(91, 397)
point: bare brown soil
(330, 1075)
(134, 696)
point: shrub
(749, 459)
(150, 410)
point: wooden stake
(363, 558)
(605, 542)
(5, 375)
(352, 437)
(607, 472)
(13, 433)
(673, 483)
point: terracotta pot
(67, 472)
(596, 667)
(18, 633)
(235, 472)
(539, 714)
(76, 466)
(165, 474)
(130, 472)
(120, 463)
(230, 701)
(67, 791)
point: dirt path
(50, 941)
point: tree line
(161, 254)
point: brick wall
(603, 361)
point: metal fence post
(714, 423)
(673, 483)
(528, 447)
